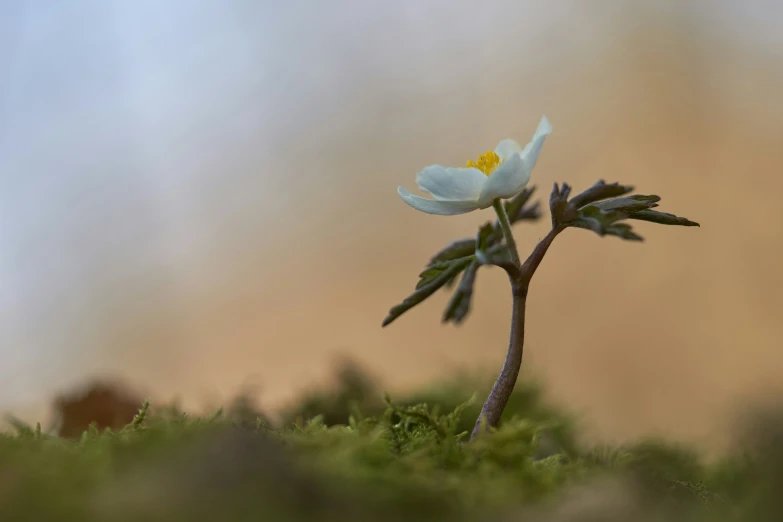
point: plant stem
(501, 392)
(505, 226)
(535, 258)
(504, 386)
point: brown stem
(535, 258)
(504, 386)
(501, 391)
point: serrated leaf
(662, 218)
(483, 237)
(628, 204)
(527, 213)
(605, 222)
(600, 191)
(431, 275)
(457, 249)
(491, 234)
(450, 282)
(605, 217)
(497, 256)
(602, 217)
(514, 204)
(623, 231)
(517, 208)
(589, 224)
(563, 212)
(459, 304)
(433, 271)
(426, 290)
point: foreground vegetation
(350, 455)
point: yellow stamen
(486, 163)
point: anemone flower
(498, 174)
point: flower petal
(437, 206)
(512, 176)
(451, 183)
(506, 182)
(533, 149)
(506, 148)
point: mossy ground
(348, 455)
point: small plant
(498, 179)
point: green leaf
(485, 233)
(601, 190)
(620, 230)
(604, 222)
(497, 256)
(623, 231)
(432, 272)
(457, 249)
(517, 208)
(605, 217)
(459, 304)
(489, 235)
(602, 217)
(629, 204)
(662, 218)
(424, 291)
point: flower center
(486, 163)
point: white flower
(499, 174)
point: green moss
(369, 459)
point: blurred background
(200, 195)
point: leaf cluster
(604, 208)
(464, 257)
